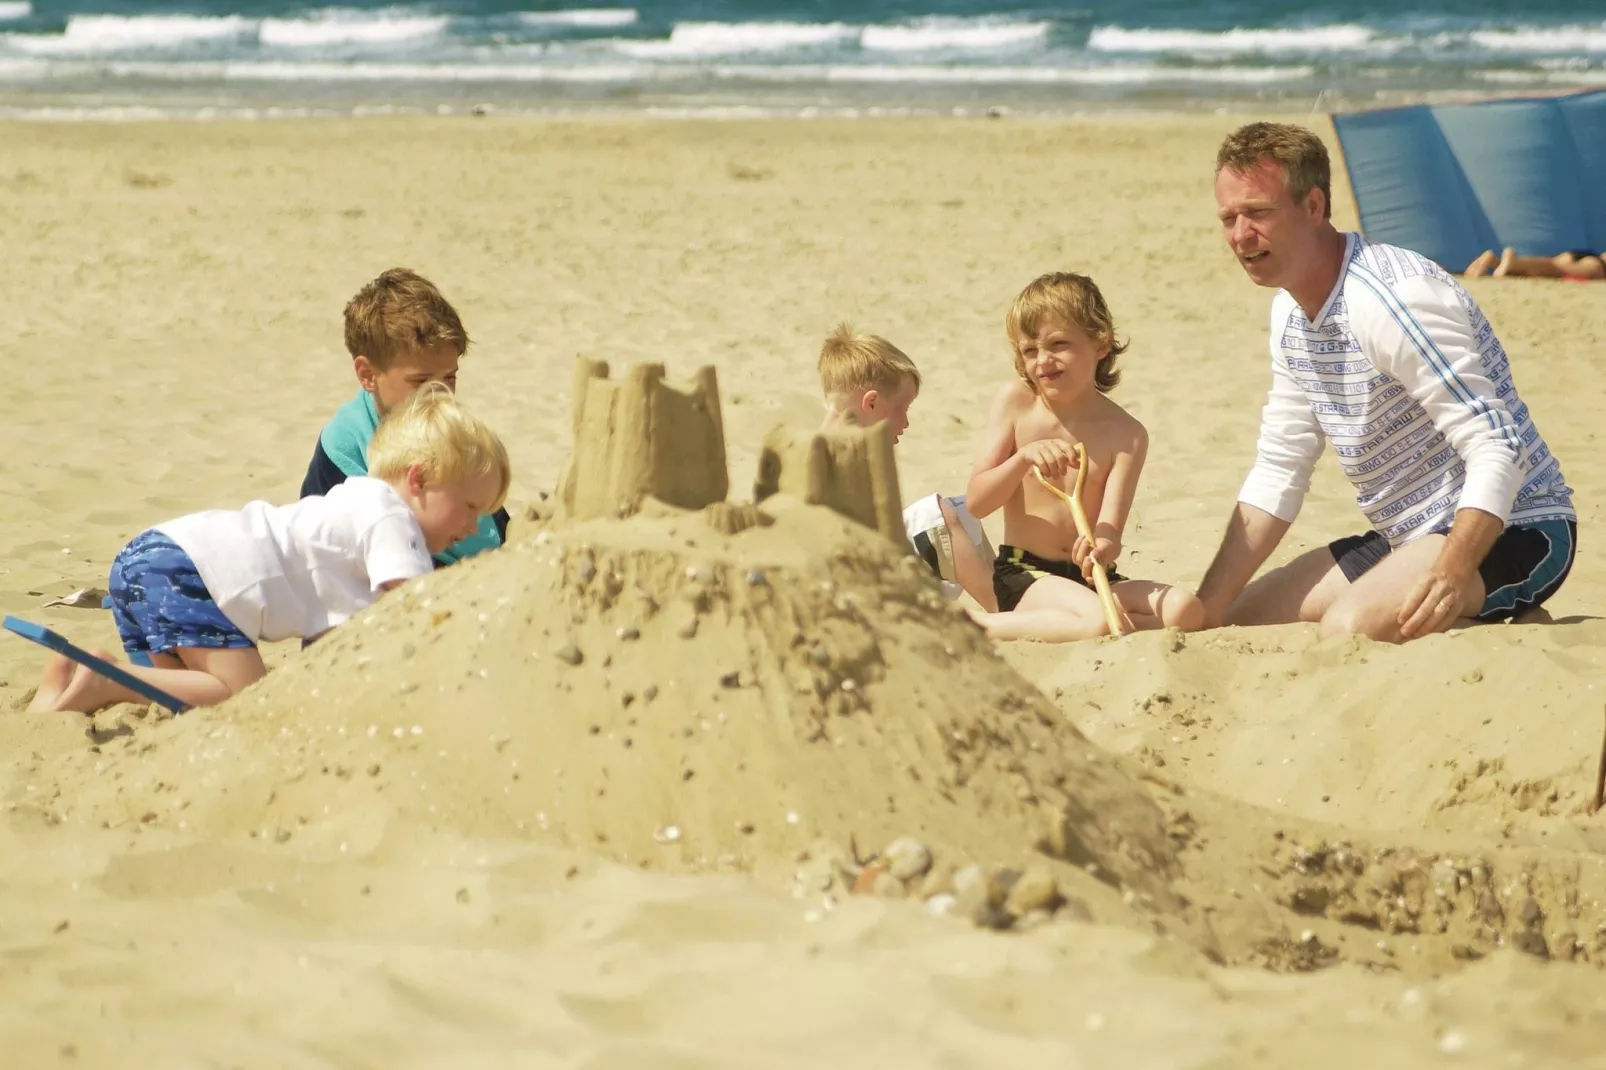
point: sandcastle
(678, 682)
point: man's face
(392, 387)
(1272, 234)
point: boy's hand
(1104, 551)
(1049, 456)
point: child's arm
(1120, 488)
(1001, 465)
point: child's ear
(367, 374)
(869, 400)
(417, 479)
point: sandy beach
(433, 841)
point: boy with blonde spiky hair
(867, 381)
(195, 595)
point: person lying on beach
(1576, 264)
(197, 594)
(867, 381)
(401, 333)
(1380, 351)
(1063, 338)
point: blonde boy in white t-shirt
(197, 594)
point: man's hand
(1049, 456)
(1435, 602)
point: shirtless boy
(1065, 349)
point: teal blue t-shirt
(343, 452)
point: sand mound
(715, 686)
(659, 691)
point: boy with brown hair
(1065, 350)
(401, 333)
(866, 381)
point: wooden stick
(1101, 582)
(1600, 779)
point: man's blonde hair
(850, 362)
(1300, 153)
(452, 444)
(401, 312)
(1068, 298)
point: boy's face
(450, 512)
(874, 407)
(392, 387)
(1062, 360)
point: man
(1379, 350)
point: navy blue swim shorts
(160, 603)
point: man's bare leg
(1301, 590)
(1371, 605)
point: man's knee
(1350, 616)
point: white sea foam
(336, 26)
(639, 73)
(1341, 38)
(91, 34)
(596, 17)
(1590, 39)
(937, 33)
(693, 40)
(14, 9)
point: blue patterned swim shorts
(160, 603)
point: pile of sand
(732, 686)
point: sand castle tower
(849, 471)
(640, 439)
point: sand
(595, 800)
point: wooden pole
(1101, 582)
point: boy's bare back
(1035, 519)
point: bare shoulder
(1124, 428)
(1013, 398)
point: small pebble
(667, 834)
(569, 654)
(628, 633)
(755, 578)
(907, 858)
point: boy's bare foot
(1480, 267)
(90, 692)
(1507, 255)
(52, 682)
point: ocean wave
(264, 71)
(589, 18)
(1337, 38)
(1591, 39)
(940, 33)
(14, 9)
(89, 34)
(692, 40)
(337, 26)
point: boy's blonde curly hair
(1067, 298)
(451, 444)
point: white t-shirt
(295, 571)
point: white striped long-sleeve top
(1402, 372)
